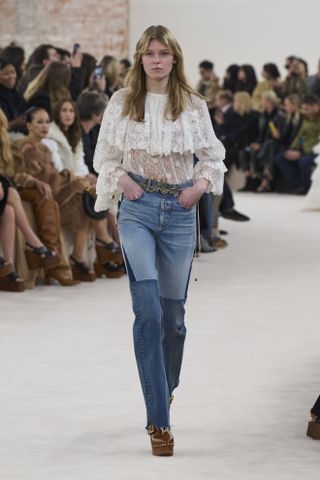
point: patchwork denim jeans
(158, 240)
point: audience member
(271, 81)
(230, 80)
(91, 106)
(208, 85)
(11, 102)
(65, 142)
(124, 65)
(296, 80)
(38, 194)
(15, 55)
(247, 79)
(50, 86)
(313, 82)
(297, 162)
(111, 72)
(261, 152)
(41, 56)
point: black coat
(11, 102)
(264, 131)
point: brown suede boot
(47, 216)
(162, 441)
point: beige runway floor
(70, 401)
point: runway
(70, 403)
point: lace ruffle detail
(157, 147)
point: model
(144, 158)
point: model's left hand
(189, 197)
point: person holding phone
(144, 155)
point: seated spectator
(230, 79)
(111, 71)
(88, 66)
(65, 142)
(283, 137)
(208, 85)
(15, 55)
(37, 193)
(296, 80)
(11, 102)
(9, 279)
(91, 106)
(225, 121)
(261, 152)
(246, 129)
(51, 85)
(41, 56)
(296, 163)
(12, 214)
(271, 81)
(313, 82)
(64, 56)
(124, 64)
(247, 79)
(65, 134)
(67, 190)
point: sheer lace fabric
(156, 148)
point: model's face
(157, 61)
(39, 126)
(67, 114)
(8, 76)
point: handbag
(88, 201)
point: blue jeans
(158, 240)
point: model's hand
(1, 191)
(131, 190)
(292, 155)
(189, 197)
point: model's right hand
(131, 190)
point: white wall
(233, 31)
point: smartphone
(76, 47)
(273, 128)
(98, 72)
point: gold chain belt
(161, 187)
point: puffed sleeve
(108, 154)
(209, 150)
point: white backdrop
(234, 31)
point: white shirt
(157, 147)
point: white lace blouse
(156, 148)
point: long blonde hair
(6, 159)
(136, 77)
(54, 79)
(244, 101)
